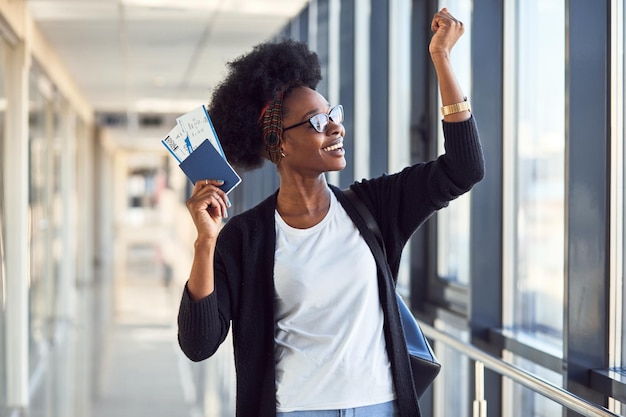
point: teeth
(333, 147)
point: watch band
(456, 107)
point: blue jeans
(389, 409)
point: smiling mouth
(333, 147)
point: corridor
(143, 372)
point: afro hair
(254, 80)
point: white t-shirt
(329, 342)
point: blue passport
(206, 163)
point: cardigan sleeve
(195, 319)
(403, 201)
(462, 165)
(204, 324)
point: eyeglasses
(321, 121)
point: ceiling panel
(155, 55)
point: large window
(525, 401)
(455, 369)
(619, 150)
(3, 338)
(42, 289)
(50, 214)
(453, 230)
(534, 183)
(618, 179)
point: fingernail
(220, 181)
(228, 204)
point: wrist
(204, 242)
(456, 107)
(440, 56)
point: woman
(293, 275)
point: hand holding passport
(194, 144)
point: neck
(303, 203)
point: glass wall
(618, 152)
(453, 223)
(537, 141)
(618, 222)
(41, 285)
(46, 243)
(3, 108)
(526, 402)
(534, 197)
(52, 279)
(455, 368)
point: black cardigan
(244, 270)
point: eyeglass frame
(329, 119)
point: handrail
(515, 373)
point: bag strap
(366, 215)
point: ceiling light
(193, 5)
(285, 8)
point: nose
(334, 127)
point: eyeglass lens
(320, 121)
